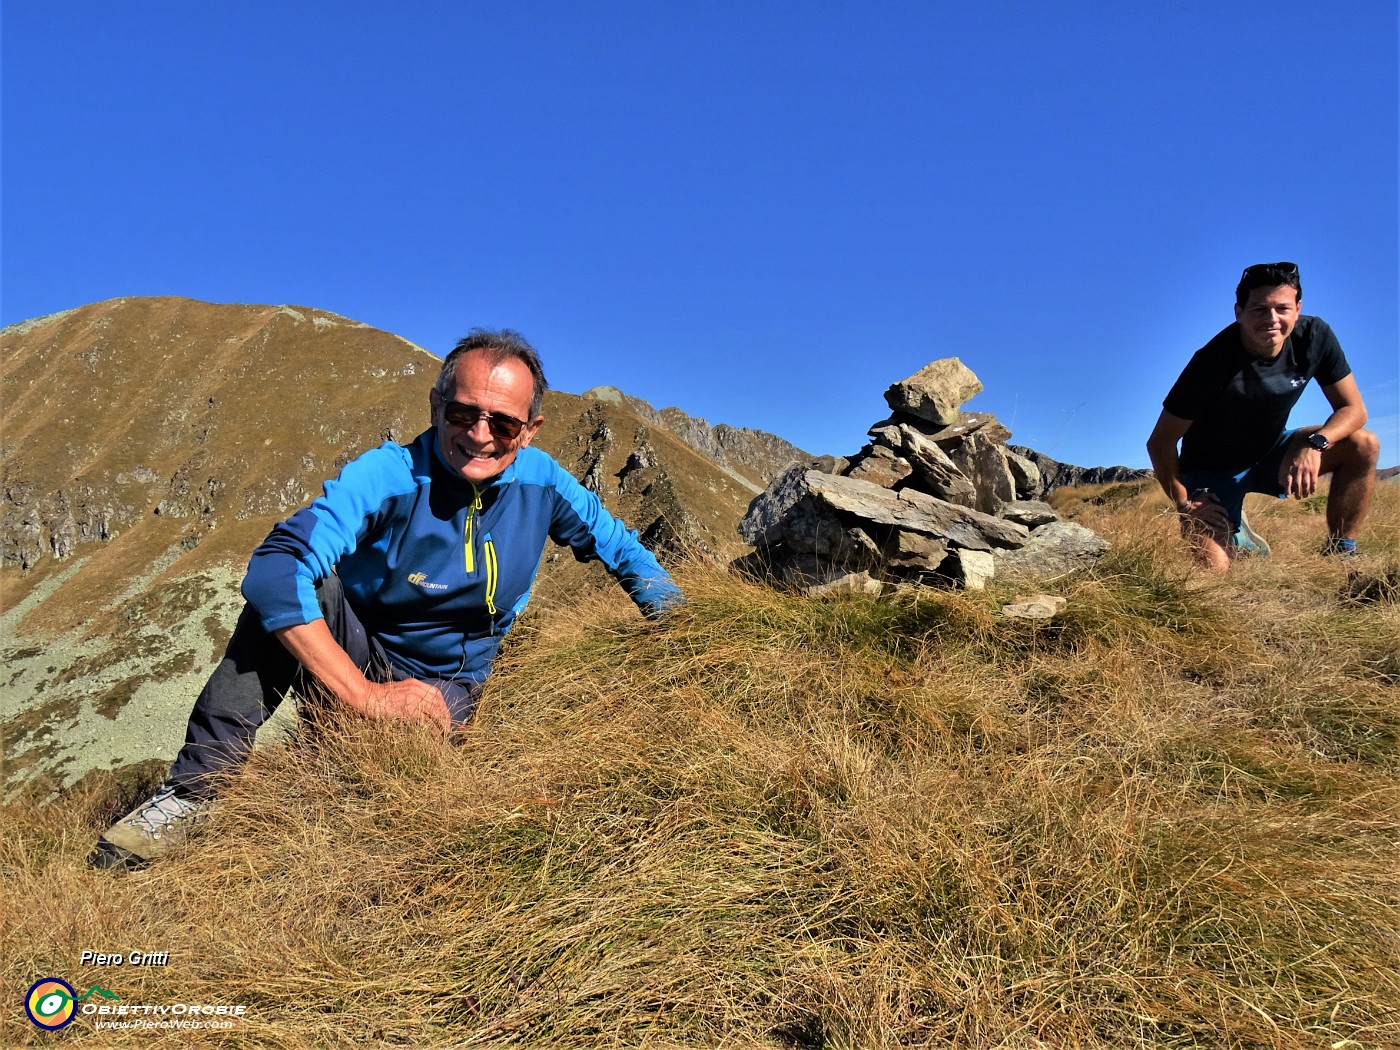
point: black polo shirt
(1238, 405)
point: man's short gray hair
(498, 346)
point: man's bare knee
(1202, 528)
(1368, 446)
(1359, 450)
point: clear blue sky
(763, 212)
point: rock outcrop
(935, 497)
(752, 457)
(1054, 474)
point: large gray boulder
(935, 392)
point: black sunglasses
(503, 428)
(1278, 269)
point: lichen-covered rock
(1053, 550)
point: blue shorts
(1230, 489)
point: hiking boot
(148, 832)
(1248, 543)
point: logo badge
(51, 1003)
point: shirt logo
(1296, 382)
(420, 579)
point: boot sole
(108, 856)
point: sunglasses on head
(1282, 270)
(503, 428)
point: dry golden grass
(1167, 818)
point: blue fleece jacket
(436, 568)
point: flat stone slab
(1036, 607)
(1032, 513)
(851, 583)
(767, 520)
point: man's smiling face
(1267, 319)
(501, 389)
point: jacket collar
(442, 471)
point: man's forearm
(1342, 423)
(1165, 466)
(316, 649)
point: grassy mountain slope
(1167, 818)
(150, 443)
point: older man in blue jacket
(393, 590)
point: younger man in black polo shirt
(1229, 410)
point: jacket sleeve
(304, 549)
(581, 523)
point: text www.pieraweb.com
(186, 1015)
(146, 1022)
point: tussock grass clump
(1165, 819)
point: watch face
(1318, 442)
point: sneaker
(1335, 547)
(1247, 542)
(148, 832)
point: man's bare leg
(1206, 527)
(1352, 464)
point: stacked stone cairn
(935, 498)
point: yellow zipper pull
(489, 549)
(471, 516)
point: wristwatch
(1318, 440)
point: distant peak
(606, 393)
